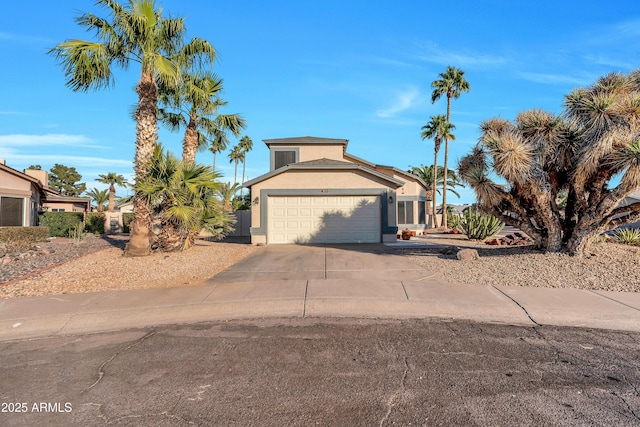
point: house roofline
(346, 166)
(306, 140)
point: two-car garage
(324, 219)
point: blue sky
(359, 70)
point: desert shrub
(21, 239)
(628, 236)
(61, 224)
(478, 226)
(94, 223)
(127, 218)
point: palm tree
(437, 128)
(246, 144)
(236, 155)
(100, 197)
(138, 33)
(426, 173)
(196, 102)
(219, 143)
(452, 83)
(226, 194)
(182, 197)
(112, 179)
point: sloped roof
(306, 140)
(396, 170)
(327, 165)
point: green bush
(478, 226)
(127, 218)
(61, 224)
(21, 239)
(628, 236)
(94, 223)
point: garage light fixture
(390, 200)
(256, 201)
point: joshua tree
(112, 179)
(437, 129)
(451, 83)
(195, 104)
(136, 32)
(100, 197)
(591, 152)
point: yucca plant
(479, 226)
(591, 152)
(628, 236)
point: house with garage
(316, 192)
(25, 194)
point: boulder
(467, 254)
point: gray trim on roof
(327, 167)
(306, 140)
(398, 171)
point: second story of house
(285, 151)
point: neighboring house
(315, 192)
(24, 194)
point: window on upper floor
(283, 158)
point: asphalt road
(303, 372)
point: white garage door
(324, 219)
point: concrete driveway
(302, 262)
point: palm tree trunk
(244, 165)
(146, 136)
(190, 142)
(446, 165)
(112, 193)
(235, 173)
(434, 210)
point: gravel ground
(62, 266)
(97, 264)
(612, 267)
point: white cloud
(403, 101)
(50, 139)
(432, 53)
(556, 78)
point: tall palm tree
(219, 143)
(112, 179)
(437, 129)
(195, 106)
(100, 197)
(236, 155)
(451, 83)
(246, 144)
(136, 32)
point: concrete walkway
(316, 281)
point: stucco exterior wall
(314, 180)
(14, 186)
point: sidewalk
(221, 299)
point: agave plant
(543, 156)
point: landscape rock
(467, 254)
(449, 250)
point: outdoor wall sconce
(256, 201)
(390, 200)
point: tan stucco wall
(13, 186)
(314, 152)
(68, 207)
(316, 180)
